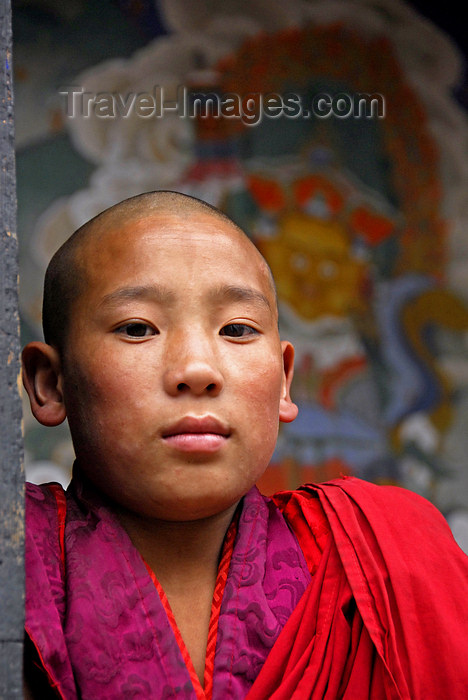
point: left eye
(137, 329)
(237, 330)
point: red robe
(386, 613)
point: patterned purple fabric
(100, 627)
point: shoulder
(45, 511)
(352, 491)
(375, 502)
(41, 493)
(355, 509)
(41, 505)
(391, 519)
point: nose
(192, 367)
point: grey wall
(11, 478)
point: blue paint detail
(412, 386)
(318, 434)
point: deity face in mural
(314, 268)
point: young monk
(162, 572)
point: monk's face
(174, 376)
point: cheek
(266, 379)
(262, 390)
(104, 374)
(93, 394)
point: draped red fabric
(386, 612)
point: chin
(200, 506)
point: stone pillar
(11, 475)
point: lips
(196, 434)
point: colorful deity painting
(356, 246)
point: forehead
(186, 250)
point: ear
(42, 379)
(287, 409)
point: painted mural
(361, 212)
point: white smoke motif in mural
(157, 151)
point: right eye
(136, 329)
(238, 330)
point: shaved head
(66, 276)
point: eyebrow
(153, 292)
(233, 293)
(164, 296)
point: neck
(179, 552)
(184, 557)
